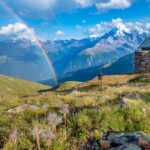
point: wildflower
(105, 97)
(144, 110)
(65, 110)
(59, 103)
(36, 134)
(34, 107)
(45, 108)
(48, 136)
(13, 137)
(54, 120)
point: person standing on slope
(100, 77)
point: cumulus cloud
(105, 4)
(59, 32)
(85, 3)
(99, 29)
(115, 4)
(48, 8)
(122, 27)
(16, 31)
(78, 27)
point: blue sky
(66, 19)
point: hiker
(100, 77)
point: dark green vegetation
(92, 111)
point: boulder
(131, 97)
(117, 139)
(133, 136)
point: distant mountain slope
(14, 85)
(124, 65)
(23, 58)
(110, 48)
(62, 52)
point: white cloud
(59, 32)
(105, 4)
(78, 27)
(16, 31)
(99, 29)
(40, 4)
(114, 4)
(49, 8)
(84, 3)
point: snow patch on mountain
(102, 28)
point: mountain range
(70, 58)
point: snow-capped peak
(122, 28)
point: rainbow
(38, 42)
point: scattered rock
(119, 141)
(143, 142)
(18, 109)
(104, 144)
(133, 96)
(73, 92)
(123, 103)
(22, 108)
(127, 147)
(129, 97)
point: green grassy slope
(87, 111)
(14, 85)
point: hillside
(124, 65)
(77, 116)
(9, 85)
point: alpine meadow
(74, 75)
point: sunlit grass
(66, 118)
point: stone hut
(142, 57)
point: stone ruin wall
(142, 61)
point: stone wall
(142, 61)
